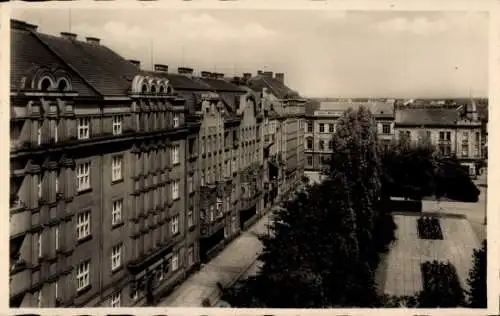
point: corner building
(100, 158)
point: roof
(276, 87)
(427, 116)
(376, 108)
(183, 82)
(106, 71)
(222, 85)
(28, 54)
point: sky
(323, 53)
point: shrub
(441, 286)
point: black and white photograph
(248, 158)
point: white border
(369, 5)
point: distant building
(452, 131)
(321, 124)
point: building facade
(321, 125)
(124, 180)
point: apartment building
(321, 125)
(123, 180)
(452, 131)
(98, 175)
(286, 117)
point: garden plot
(409, 251)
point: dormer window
(153, 89)
(162, 89)
(144, 88)
(45, 84)
(63, 85)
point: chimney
(236, 80)
(247, 76)
(21, 25)
(161, 68)
(259, 72)
(185, 70)
(268, 74)
(219, 75)
(280, 77)
(68, 36)
(135, 63)
(93, 40)
(205, 74)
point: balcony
(20, 222)
(207, 229)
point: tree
(477, 279)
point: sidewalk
(226, 268)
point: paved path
(403, 276)
(229, 266)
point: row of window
(322, 143)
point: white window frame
(117, 124)
(82, 275)
(39, 244)
(175, 154)
(39, 186)
(56, 184)
(175, 190)
(116, 257)
(39, 133)
(56, 238)
(39, 298)
(83, 225)
(116, 213)
(56, 289)
(116, 168)
(56, 131)
(175, 225)
(175, 262)
(190, 219)
(83, 128)
(83, 176)
(116, 299)
(176, 120)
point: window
(190, 255)
(310, 126)
(39, 244)
(309, 143)
(39, 133)
(190, 219)
(175, 262)
(83, 176)
(56, 289)
(39, 298)
(465, 136)
(84, 128)
(175, 154)
(56, 186)
(444, 136)
(176, 120)
(116, 168)
(331, 128)
(56, 238)
(82, 275)
(62, 85)
(386, 128)
(175, 224)
(116, 257)
(83, 225)
(465, 150)
(175, 189)
(116, 300)
(45, 84)
(56, 131)
(321, 127)
(330, 144)
(116, 213)
(117, 124)
(309, 160)
(39, 186)
(307, 127)
(190, 184)
(321, 144)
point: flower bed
(429, 228)
(441, 287)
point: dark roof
(376, 108)
(102, 68)
(183, 82)
(427, 116)
(28, 54)
(274, 86)
(222, 85)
